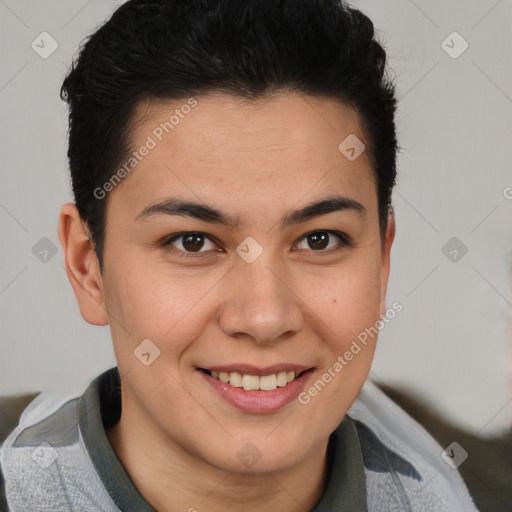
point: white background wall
(451, 344)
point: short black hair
(176, 49)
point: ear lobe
(386, 260)
(82, 266)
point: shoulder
(45, 463)
(487, 470)
(404, 465)
(36, 453)
(11, 408)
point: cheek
(156, 303)
(348, 300)
(350, 310)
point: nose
(261, 304)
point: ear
(386, 260)
(82, 265)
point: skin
(296, 303)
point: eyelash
(345, 241)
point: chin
(261, 456)
(259, 466)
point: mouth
(251, 382)
(257, 390)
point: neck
(172, 479)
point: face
(250, 281)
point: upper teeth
(253, 382)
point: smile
(257, 389)
(255, 382)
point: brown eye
(320, 240)
(191, 242)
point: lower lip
(257, 401)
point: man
(232, 164)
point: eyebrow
(207, 213)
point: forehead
(219, 146)
(221, 122)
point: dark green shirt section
(100, 408)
